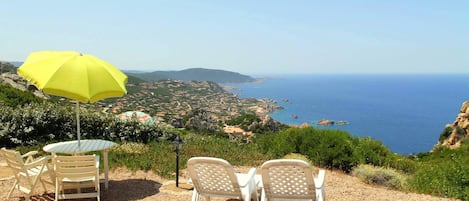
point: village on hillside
(170, 101)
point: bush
(12, 97)
(380, 176)
(45, 122)
(330, 148)
(221, 147)
(445, 134)
(372, 152)
(326, 148)
(444, 173)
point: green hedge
(46, 122)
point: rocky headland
(456, 132)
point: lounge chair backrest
(213, 177)
(28, 172)
(77, 171)
(288, 179)
(14, 160)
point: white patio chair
(76, 172)
(292, 180)
(215, 177)
(28, 172)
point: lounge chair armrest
(31, 153)
(29, 156)
(245, 179)
(38, 162)
(319, 180)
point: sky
(246, 36)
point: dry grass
(386, 177)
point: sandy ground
(125, 185)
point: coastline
(387, 108)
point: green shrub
(372, 152)
(331, 149)
(12, 97)
(380, 176)
(277, 144)
(221, 147)
(402, 163)
(445, 134)
(326, 148)
(44, 122)
(444, 173)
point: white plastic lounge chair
(28, 172)
(76, 172)
(215, 177)
(291, 179)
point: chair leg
(12, 189)
(195, 196)
(43, 185)
(57, 190)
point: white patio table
(71, 147)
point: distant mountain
(134, 80)
(16, 63)
(7, 67)
(198, 74)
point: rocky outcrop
(18, 82)
(270, 124)
(325, 122)
(201, 120)
(457, 131)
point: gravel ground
(125, 185)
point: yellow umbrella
(77, 76)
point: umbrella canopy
(138, 116)
(73, 75)
(77, 76)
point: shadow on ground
(130, 189)
(122, 190)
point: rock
(459, 128)
(465, 125)
(325, 122)
(342, 122)
(270, 124)
(18, 82)
(305, 125)
(465, 107)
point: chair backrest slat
(75, 166)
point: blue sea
(406, 112)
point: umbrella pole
(78, 122)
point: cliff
(456, 132)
